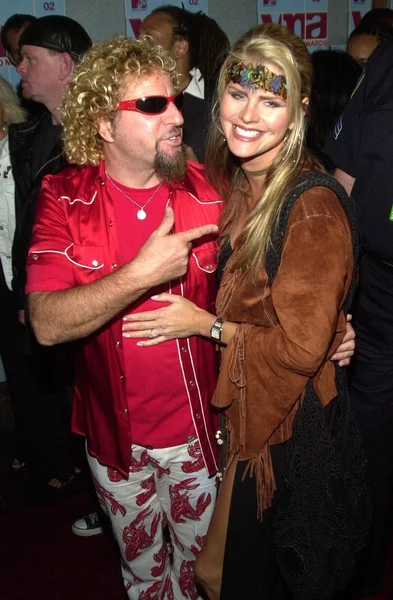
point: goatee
(170, 169)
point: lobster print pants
(159, 517)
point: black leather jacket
(21, 140)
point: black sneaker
(88, 525)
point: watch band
(216, 330)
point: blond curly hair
(95, 90)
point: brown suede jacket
(286, 333)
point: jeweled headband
(257, 77)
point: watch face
(216, 329)
(215, 332)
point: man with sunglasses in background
(131, 221)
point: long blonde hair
(276, 45)
(9, 101)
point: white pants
(167, 489)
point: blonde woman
(280, 327)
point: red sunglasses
(152, 105)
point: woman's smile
(246, 134)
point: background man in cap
(50, 48)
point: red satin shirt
(75, 240)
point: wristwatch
(216, 330)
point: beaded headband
(257, 77)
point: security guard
(361, 147)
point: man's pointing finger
(198, 232)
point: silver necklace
(141, 214)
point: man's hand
(347, 347)
(165, 255)
(22, 317)
(347, 181)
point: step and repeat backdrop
(307, 18)
(357, 8)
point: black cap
(58, 33)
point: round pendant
(141, 214)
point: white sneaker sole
(86, 532)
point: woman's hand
(347, 347)
(179, 319)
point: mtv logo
(308, 26)
(139, 4)
(269, 2)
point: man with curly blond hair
(133, 224)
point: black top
(35, 151)
(224, 254)
(44, 143)
(362, 146)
